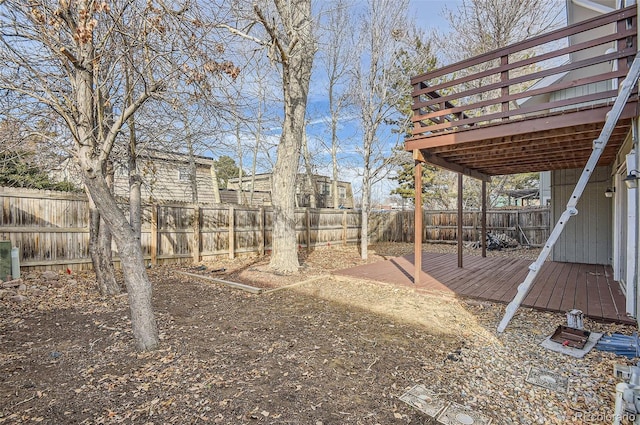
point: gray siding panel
(587, 237)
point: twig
(242, 34)
(25, 401)
(374, 362)
(374, 342)
(91, 344)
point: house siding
(162, 182)
(262, 183)
(578, 14)
(587, 237)
(580, 91)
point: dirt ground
(319, 350)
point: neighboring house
(165, 177)
(304, 192)
(256, 199)
(495, 128)
(518, 198)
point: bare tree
(479, 26)
(308, 167)
(336, 53)
(290, 43)
(67, 56)
(384, 28)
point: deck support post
(483, 220)
(460, 188)
(417, 240)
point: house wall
(324, 187)
(167, 181)
(230, 196)
(261, 183)
(587, 237)
(576, 13)
(323, 184)
(580, 91)
(545, 188)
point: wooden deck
(559, 287)
(475, 117)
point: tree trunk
(296, 74)
(135, 194)
(143, 322)
(334, 151)
(193, 169)
(256, 147)
(101, 257)
(366, 201)
(135, 181)
(135, 205)
(239, 147)
(285, 255)
(100, 250)
(369, 136)
(92, 162)
(253, 170)
(313, 190)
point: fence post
(261, 231)
(196, 233)
(483, 220)
(474, 233)
(232, 234)
(518, 236)
(154, 234)
(344, 228)
(308, 224)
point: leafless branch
(242, 34)
(273, 34)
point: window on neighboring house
(324, 188)
(342, 192)
(183, 174)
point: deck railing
(573, 68)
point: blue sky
(427, 14)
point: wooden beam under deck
(544, 125)
(561, 141)
(562, 135)
(442, 163)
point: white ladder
(598, 147)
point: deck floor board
(559, 287)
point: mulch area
(329, 351)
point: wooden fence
(528, 226)
(52, 228)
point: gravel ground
(496, 367)
(487, 370)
